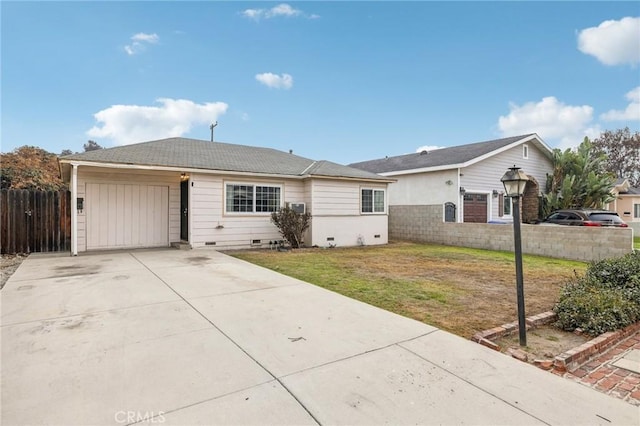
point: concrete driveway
(197, 337)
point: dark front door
(184, 210)
(475, 208)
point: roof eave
(351, 178)
(70, 162)
(422, 170)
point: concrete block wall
(426, 224)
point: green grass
(461, 290)
(636, 243)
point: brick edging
(568, 360)
(577, 356)
(486, 337)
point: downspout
(74, 210)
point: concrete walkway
(197, 337)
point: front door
(184, 210)
(475, 208)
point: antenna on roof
(213, 125)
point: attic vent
(424, 152)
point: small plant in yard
(606, 298)
(291, 225)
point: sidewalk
(603, 375)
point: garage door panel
(122, 216)
(475, 208)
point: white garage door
(126, 216)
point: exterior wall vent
(330, 239)
(210, 243)
(256, 242)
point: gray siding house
(466, 178)
(202, 193)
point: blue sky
(339, 81)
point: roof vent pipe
(213, 125)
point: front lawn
(457, 289)
(636, 243)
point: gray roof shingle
(198, 154)
(440, 157)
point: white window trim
(636, 206)
(525, 151)
(384, 191)
(504, 203)
(253, 184)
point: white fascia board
(351, 179)
(212, 172)
(177, 169)
(422, 170)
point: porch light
(514, 181)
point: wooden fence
(34, 221)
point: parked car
(585, 217)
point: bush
(291, 225)
(606, 298)
(621, 274)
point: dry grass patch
(457, 289)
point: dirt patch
(8, 266)
(544, 342)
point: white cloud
(253, 13)
(552, 120)
(149, 38)
(284, 81)
(125, 124)
(428, 148)
(613, 42)
(140, 42)
(632, 112)
(282, 9)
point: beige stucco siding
(119, 183)
(623, 205)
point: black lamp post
(514, 181)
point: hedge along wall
(426, 224)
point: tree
(91, 146)
(30, 167)
(291, 225)
(623, 153)
(66, 152)
(579, 179)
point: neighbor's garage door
(475, 208)
(126, 216)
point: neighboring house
(465, 179)
(201, 193)
(626, 203)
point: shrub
(621, 274)
(606, 298)
(291, 225)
